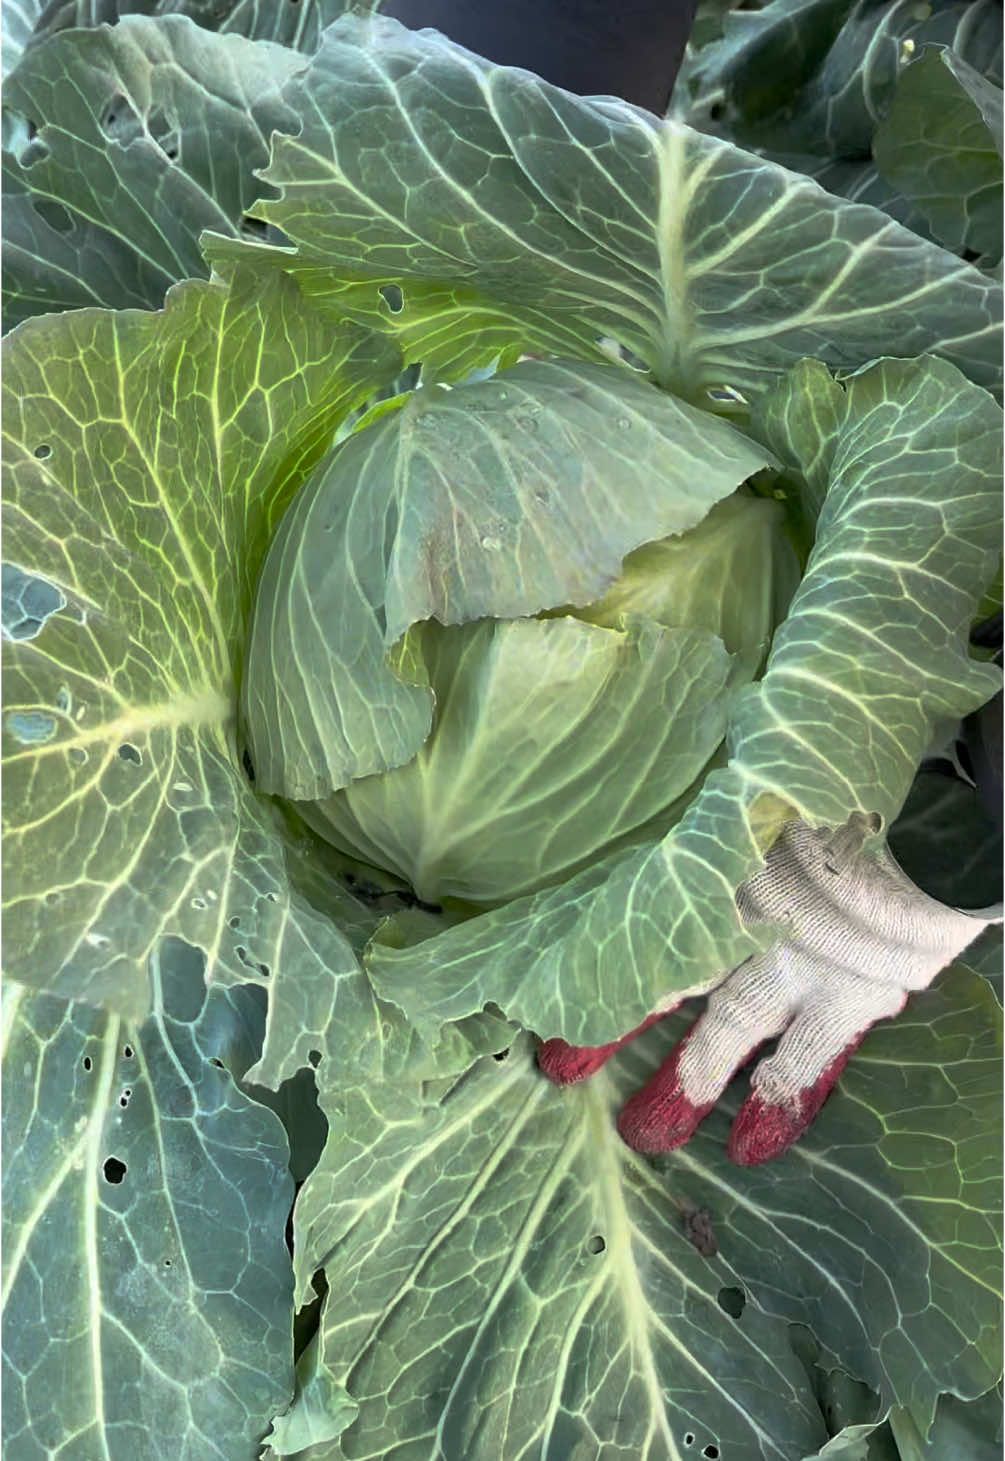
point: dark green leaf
(941, 146)
(144, 1315)
(105, 204)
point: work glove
(863, 937)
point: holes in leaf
(250, 963)
(733, 1301)
(501, 1054)
(36, 151)
(710, 1452)
(314, 1056)
(87, 1063)
(31, 727)
(199, 904)
(218, 1063)
(726, 393)
(27, 602)
(167, 1263)
(164, 131)
(114, 1170)
(249, 770)
(128, 752)
(392, 296)
(51, 899)
(43, 451)
(53, 214)
(596, 1244)
(18, 135)
(127, 1051)
(235, 922)
(124, 1098)
(24, 629)
(119, 117)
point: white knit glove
(863, 938)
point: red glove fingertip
(660, 1117)
(565, 1064)
(763, 1131)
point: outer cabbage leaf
(860, 181)
(818, 76)
(512, 214)
(873, 650)
(985, 955)
(946, 842)
(19, 17)
(296, 24)
(320, 1412)
(941, 146)
(507, 1278)
(106, 203)
(143, 482)
(27, 603)
(961, 1431)
(144, 1314)
(322, 1012)
(496, 499)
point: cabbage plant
(452, 525)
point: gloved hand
(863, 938)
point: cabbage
(554, 737)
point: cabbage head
(552, 737)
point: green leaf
(519, 214)
(508, 1278)
(874, 649)
(860, 181)
(143, 1314)
(985, 956)
(106, 203)
(296, 24)
(19, 17)
(143, 483)
(498, 498)
(321, 1408)
(961, 1432)
(947, 844)
(941, 146)
(818, 76)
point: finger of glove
(741, 1014)
(788, 1089)
(565, 1064)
